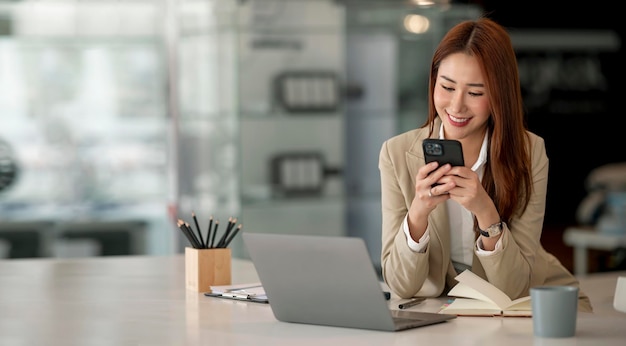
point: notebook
(326, 280)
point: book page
(520, 304)
(491, 292)
(471, 307)
(465, 291)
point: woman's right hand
(426, 197)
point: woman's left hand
(466, 189)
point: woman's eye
(447, 88)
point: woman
(486, 216)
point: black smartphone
(443, 151)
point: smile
(458, 120)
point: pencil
(179, 224)
(217, 222)
(193, 236)
(195, 220)
(229, 230)
(232, 235)
(231, 223)
(208, 232)
(189, 236)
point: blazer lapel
(414, 163)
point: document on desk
(251, 292)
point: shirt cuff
(481, 251)
(413, 245)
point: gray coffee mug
(554, 311)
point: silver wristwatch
(492, 230)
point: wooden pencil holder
(207, 267)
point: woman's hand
(464, 187)
(425, 181)
(468, 191)
(426, 197)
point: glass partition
(83, 96)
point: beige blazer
(522, 263)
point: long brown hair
(507, 177)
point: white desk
(141, 300)
(583, 239)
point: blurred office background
(119, 117)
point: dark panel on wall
(572, 95)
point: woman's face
(461, 98)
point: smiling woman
(486, 215)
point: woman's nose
(457, 103)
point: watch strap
(492, 230)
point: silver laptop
(326, 280)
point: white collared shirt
(461, 222)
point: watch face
(8, 166)
(492, 230)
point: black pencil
(179, 223)
(195, 220)
(193, 236)
(231, 223)
(189, 236)
(217, 222)
(232, 235)
(208, 232)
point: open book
(477, 297)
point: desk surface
(141, 300)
